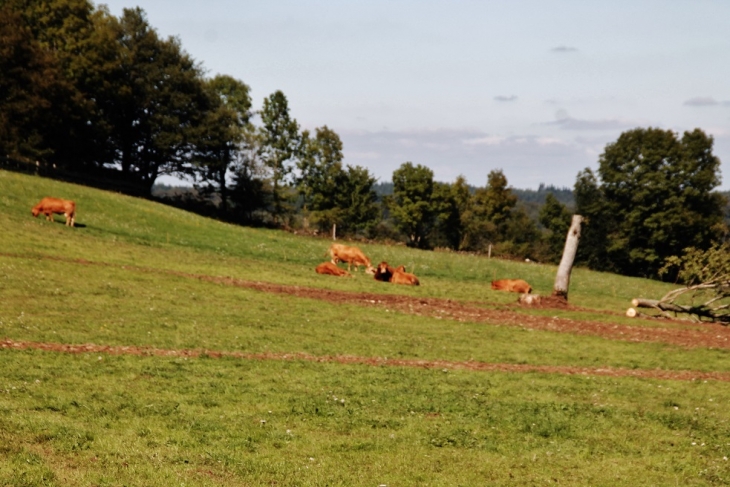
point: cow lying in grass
(328, 268)
(351, 255)
(512, 285)
(48, 206)
(397, 275)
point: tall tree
(281, 144)
(34, 94)
(410, 205)
(158, 102)
(321, 175)
(555, 217)
(222, 134)
(655, 198)
(358, 200)
(488, 215)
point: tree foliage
(410, 205)
(654, 199)
(279, 148)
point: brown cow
(397, 275)
(512, 285)
(351, 255)
(330, 269)
(49, 206)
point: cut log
(631, 313)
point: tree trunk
(562, 279)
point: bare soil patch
(445, 365)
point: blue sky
(535, 88)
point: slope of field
(108, 333)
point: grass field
(128, 277)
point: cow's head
(35, 211)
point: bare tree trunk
(562, 278)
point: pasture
(149, 346)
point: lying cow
(398, 275)
(351, 255)
(49, 206)
(512, 285)
(328, 268)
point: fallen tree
(707, 294)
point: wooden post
(562, 279)
(334, 231)
(489, 252)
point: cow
(48, 206)
(512, 285)
(328, 268)
(351, 255)
(398, 275)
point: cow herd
(352, 256)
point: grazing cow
(385, 273)
(49, 206)
(512, 285)
(351, 255)
(330, 269)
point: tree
(222, 133)
(654, 199)
(449, 202)
(555, 217)
(34, 94)
(321, 175)
(410, 205)
(280, 147)
(358, 201)
(487, 218)
(156, 103)
(66, 31)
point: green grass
(99, 419)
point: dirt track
(373, 361)
(675, 333)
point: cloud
(564, 49)
(505, 98)
(527, 160)
(701, 101)
(566, 122)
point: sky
(536, 88)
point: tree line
(85, 93)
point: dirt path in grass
(678, 333)
(444, 365)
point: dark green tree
(358, 201)
(156, 104)
(488, 215)
(410, 205)
(556, 218)
(655, 198)
(35, 97)
(321, 176)
(450, 202)
(222, 135)
(280, 147)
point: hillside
(150, 346)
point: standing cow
(351, 255)
(48, 206)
